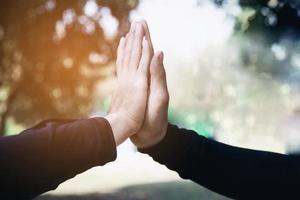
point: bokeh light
(233, 70)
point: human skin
(156, 117)
(150, 124)
(128, 107)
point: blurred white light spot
(60, 30)
(4, 93)
(232, 7)
(96, 58)
(108, 22)
(90, 8)
(88, 24)
(69, 16)
(279, 51)
(271, 20)
(50, 5)
(192, 28)
(265, 11)
(273, 3)
(82, 91)
(295, 60)
(89, 28)
(68, 62)
(235, 10)
(56, 93)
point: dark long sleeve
(40, 158)
(231, 171)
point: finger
(158, 78)
(120, 54)
(136, 51)
(157, 70)
(146, 57)
(128, 45)
(147, 34)
(156, 66)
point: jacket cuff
(175, 147)
(170, 149)
(108, 151)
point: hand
(156, 120)
(129, 101)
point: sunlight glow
(183, 29)
(279, 51)
(90, 8)
(68, 62)
(108, 22)
(50, 5)
(97, 58)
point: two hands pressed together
(40, 158)
(140, 102)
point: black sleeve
(231, 171)
(40, 158)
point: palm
(156, 118)
(156, 115)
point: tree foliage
(269, 33)
(52, 54)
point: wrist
(149, 138)
(118, 127)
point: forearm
(41, 158)
(234, 172)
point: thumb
(158, 81)
(156, 65)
